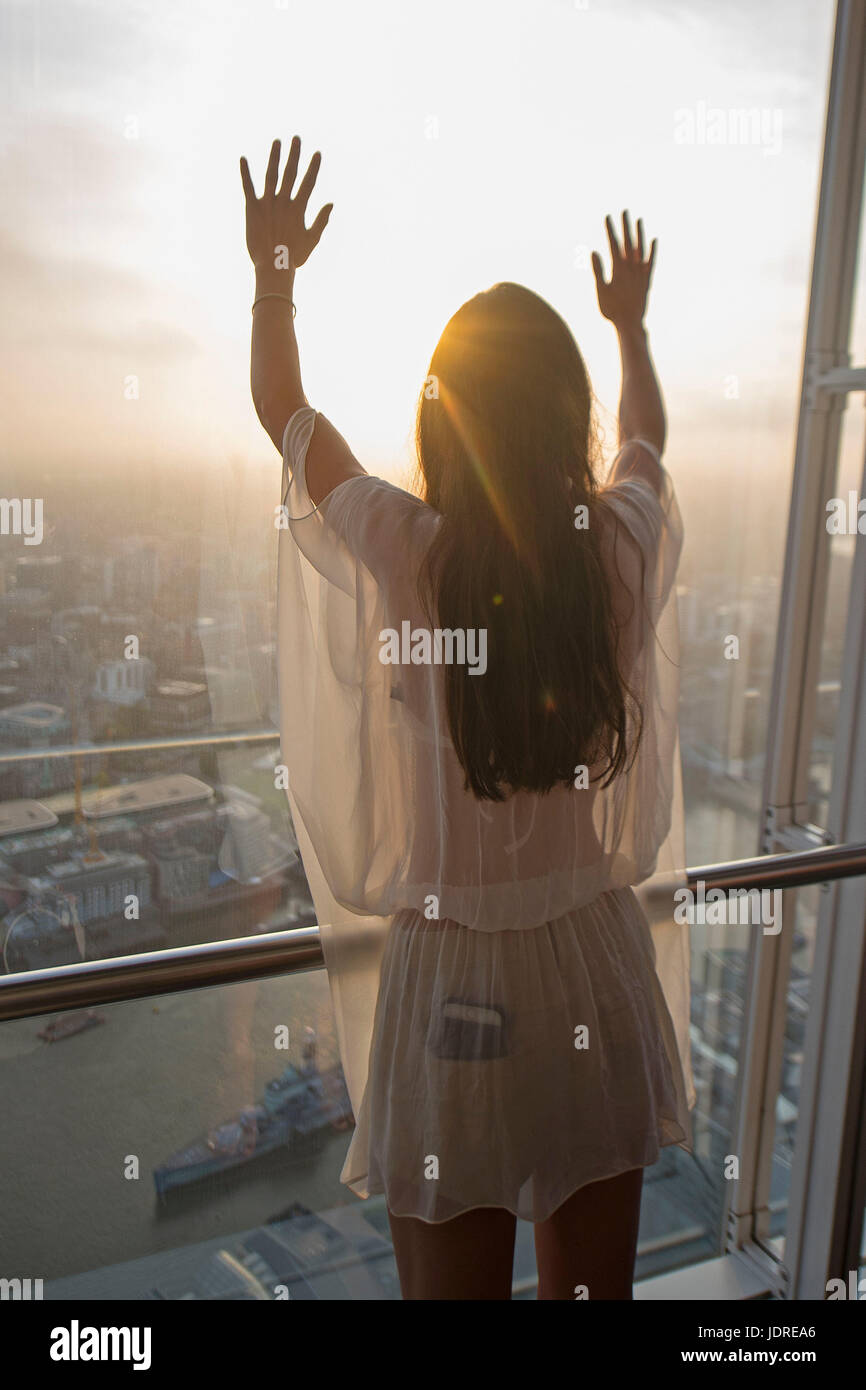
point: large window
(461, 146)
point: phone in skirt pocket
(462, 1030)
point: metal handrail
(29, 993)
(137, 745)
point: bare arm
(275, 364)
(279, 241)
(622, 301)
(641, 410)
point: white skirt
(508, 1069)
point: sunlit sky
(462, 143)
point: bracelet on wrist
(272, 294)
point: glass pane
(137, 849)
(805, 904)
(851, 464)
(189, 1146)
(734, 487)
(145, 612)
(849, 485)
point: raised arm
(279, 241)
(622, 300)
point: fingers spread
(597, 268)
(640, 238)
(628, 247)
(246, 180)
(291, 172)
(309, 179)
(320, 223)
(615, 252)
(273, 169)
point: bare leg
(469, 1257)
(591, 1240)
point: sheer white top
(375, 788)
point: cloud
(147, 344)
(55, 49)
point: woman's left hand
(277, 219)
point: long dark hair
(507, 448)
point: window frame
(828, 1181)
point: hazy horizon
(467, 147)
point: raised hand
(277, 219)
(623, 297)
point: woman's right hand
(277, 219)
(622, 299)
